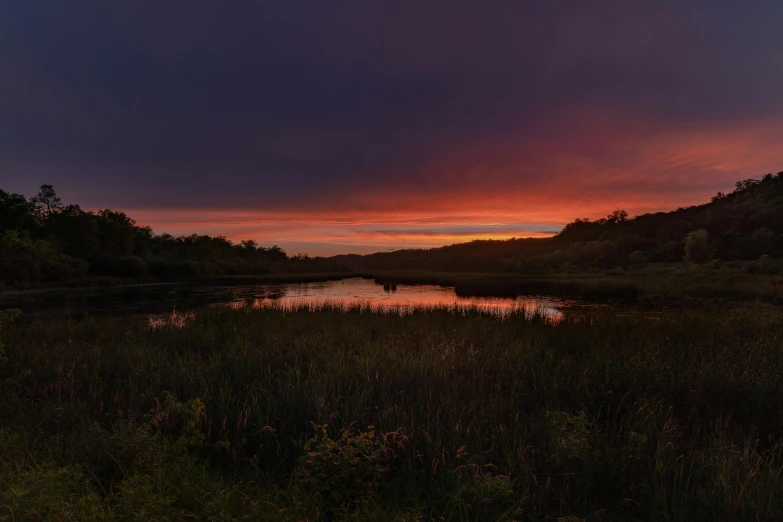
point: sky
(361, 125)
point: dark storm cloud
(254, 103)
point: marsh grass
(354, 413)
(656, 282)
(369, 306)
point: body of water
(167, 298)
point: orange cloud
(497, 191)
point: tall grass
(335, 413)
(661, 282)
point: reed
(334, 413)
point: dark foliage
(42, 240)
(348, 414)
(742, 225)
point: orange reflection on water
(356, 293)
(404, 299)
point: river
(166, 298)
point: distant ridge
(744, 224)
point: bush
(769, 265)
(161, 268)
(764, 265)
(344, 471)
(697, 247)
(24, 261)
(637, 258)
(6, 317)
(65, 268)
(483, 496)
(126, 266)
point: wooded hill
(745, 224)
(44, 241)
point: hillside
(43, 241)
(742, 225)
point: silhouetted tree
(618, 216)
(116, 232)
(76, 232)
(46, 202)
(49, 241)
(248, 245)
(16, 213)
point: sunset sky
(360, 125)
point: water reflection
(159, 301)
(400, 299)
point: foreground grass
(335, 414)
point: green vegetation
(741, 226)
(697, 247)
(730, 248)
(43, 241)
(352, 414)
(649, 283)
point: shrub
(569, 436)
(769, 265)
(126, 266)
(24, 260)
(161, 268)
(6, 317)
(344, 471)
(764, 265)
(483, 496)
(178, 422)
(637, 258)
(697, 247)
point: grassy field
(333, 414)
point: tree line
(44, 240)
(744, 225)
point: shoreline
(661, 283)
